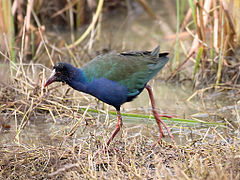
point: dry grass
(127, 159)
(214, 28)
(66, 156)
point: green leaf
(197, 61)
(176, 120)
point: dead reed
(66, 155)
(214, 27)
(129, 158)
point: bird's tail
(159, 59)
(155, 52)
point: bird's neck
(78, 81)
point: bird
(116, 78)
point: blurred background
(202, 36)
(56, 132)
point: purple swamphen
(115, 78)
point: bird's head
(62, 72)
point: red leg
(157, 116)
(119, 125)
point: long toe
(166, 116)
(165, 125)
(158, 141)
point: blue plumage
(112, 93)
(104, 89)
(113, 78)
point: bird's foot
(158, 141)
(159, 122)
(166, 116)
(157, 116)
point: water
(170, 99)
(137, 32)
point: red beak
(51, 79)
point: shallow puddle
(170, 99)
(137, 32)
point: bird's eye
(59, 73)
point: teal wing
(132, 70)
